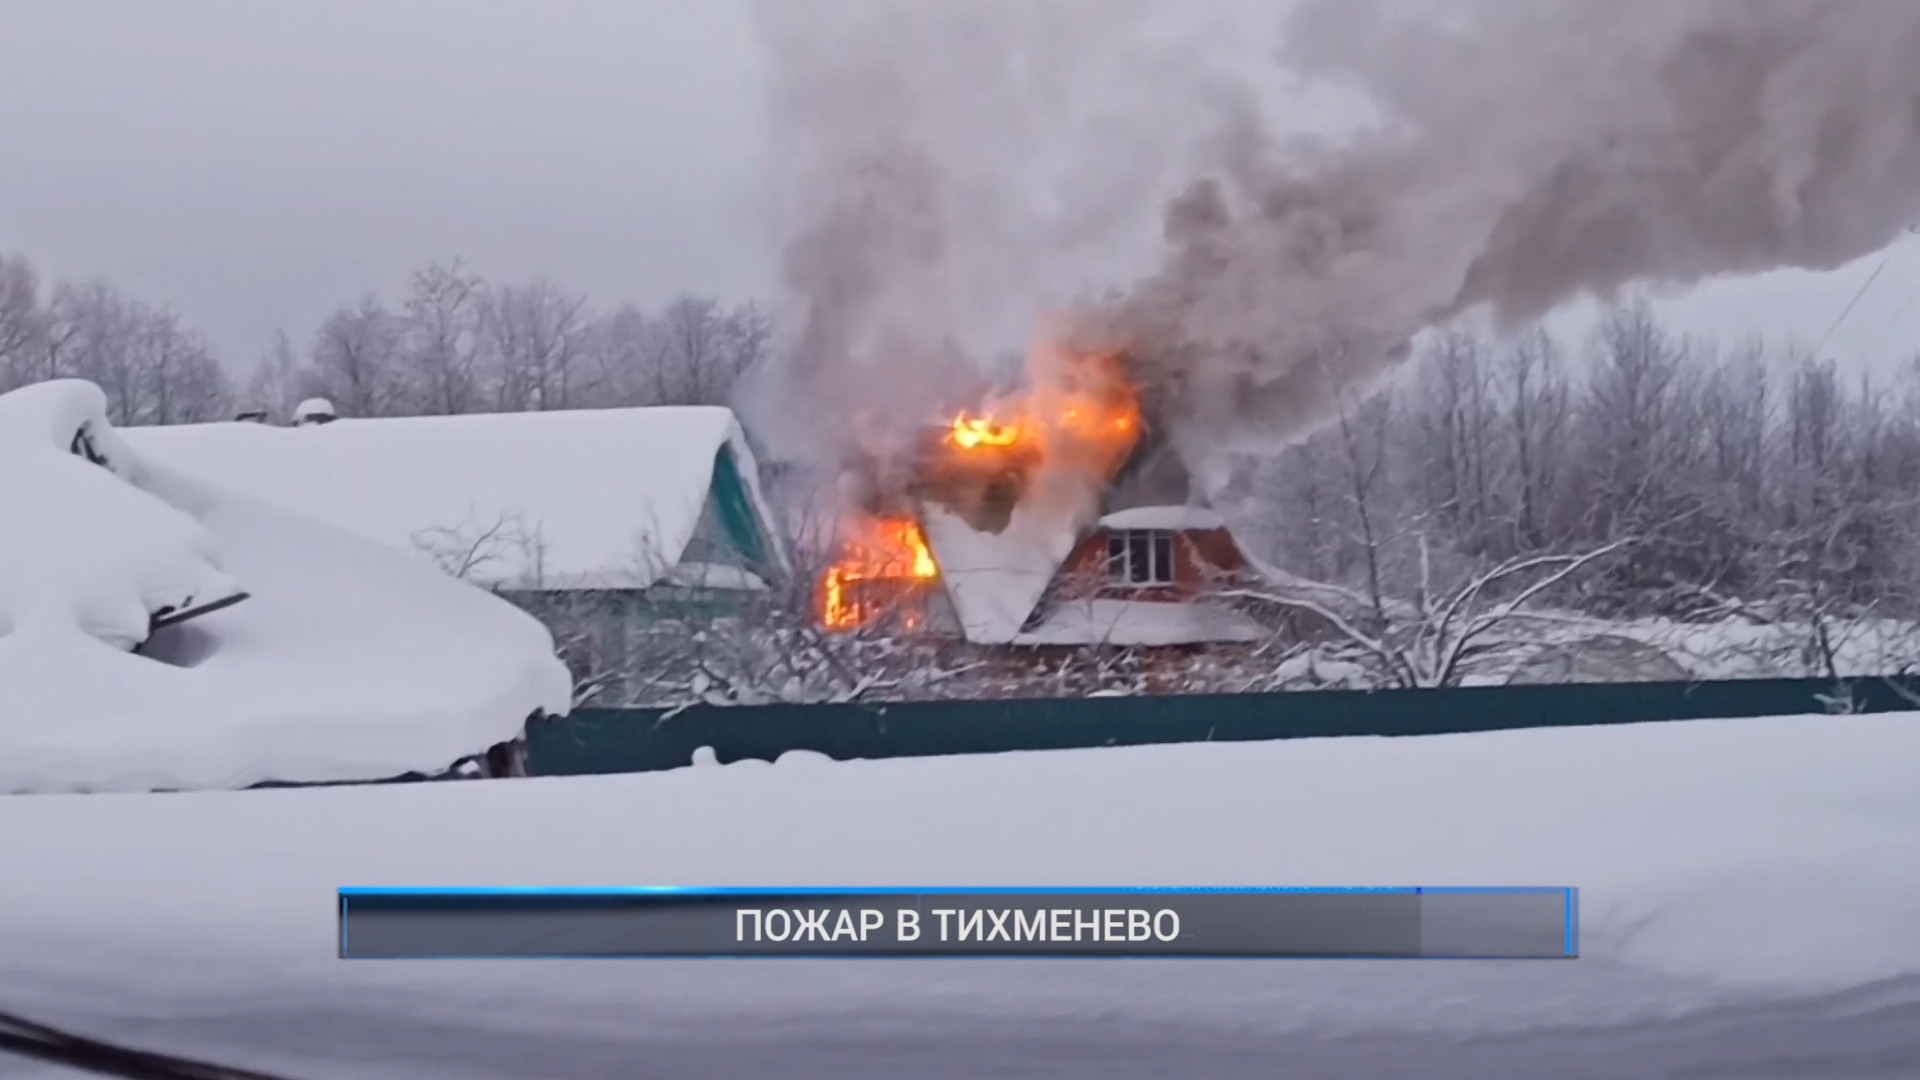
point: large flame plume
(1076, 423)
(883, 563)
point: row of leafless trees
(458, 343)
(153, 368)
(453, 343)
(1747, 482)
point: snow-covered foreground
(1750, 896)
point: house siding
(733, 507)
(605, 631)
(1203, 560)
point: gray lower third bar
(1382, 924)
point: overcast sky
(255, 163)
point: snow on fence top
(595, 498)
(343, 661)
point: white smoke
(1525, 153)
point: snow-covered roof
(1142, 623)
(603, 498)
(995, 580)
(1172, 518)
(314, 408)
(344, 661)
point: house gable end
(732, 512)
(1201, 554)
(730, 530)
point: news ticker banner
(1520, 923)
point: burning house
(1053, 517)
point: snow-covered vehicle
(160, 633)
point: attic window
(1140, 557)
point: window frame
(1141, 558)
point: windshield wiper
(29, 1039)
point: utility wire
(29, 1039)
(1880, 336)
(1861, 294)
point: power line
(29, 1039)
(1892, 250)
(1881, 334)
(1851, 304)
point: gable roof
(600, 498)
(995, 580)
(1135, 620)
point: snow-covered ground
(1750, 891)
(341, 660)
(1728, 649)
(1141, 623)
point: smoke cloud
(950, 171)
(1520, 154)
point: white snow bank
(1172, 518)
(597, 498)
(1141, 623)
(345, 661)
(1721, 863)
(81, 552)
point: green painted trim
(643, 740)
(734, 511)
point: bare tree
(1440, 637)
(22, 323)
(280, 380)
(535, 336)
(441, 337)
(1537, 419)
(358, 361)
(152, 369)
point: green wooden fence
(595, 741)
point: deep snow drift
(343, 661)
(1743, 882)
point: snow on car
(157, 632)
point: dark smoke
(1523, 153)
(951, 170)
(1529, 152)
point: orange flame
(891, 552)
(970, 432)
(1080, 418)
(1081, 412)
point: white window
(1140, 557)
